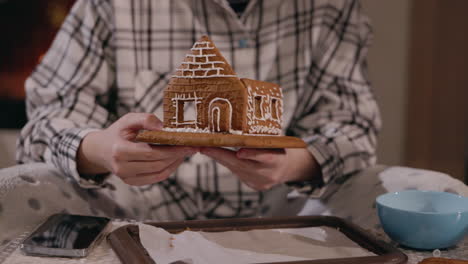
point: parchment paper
(254, 246)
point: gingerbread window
(258, 107)
(274, 108)
(186, 109)
(190, 113)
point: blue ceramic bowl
(424, 219)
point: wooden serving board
(218, 140)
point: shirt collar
(227, 7)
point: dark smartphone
(65, 235)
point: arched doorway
(219, 115)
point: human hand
(261, 169)
(113, 150)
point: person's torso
(272, 41)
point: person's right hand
(113, 150)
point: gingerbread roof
(204, 61)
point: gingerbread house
(205, 95)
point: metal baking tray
(126, 244)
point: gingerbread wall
(207, 91)
(264, 111)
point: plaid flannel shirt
(112, 57)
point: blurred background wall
(27, 27)
(419, 70)
(388, 67)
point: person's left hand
(261, 169)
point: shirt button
(243, 43)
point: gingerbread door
(220, 115)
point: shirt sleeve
(67, 95)
(338, 116)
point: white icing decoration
(259, 129)
(200, 56)
(207, 43)
(201, 46)
(252, 119)
(250, 106)
(201, 49)
(280, 103)
(236, 132)
(263, 135)
(277, 109)
(205, 75)
(197, 130)
(217, 116)
(185, 97)
(210, 113)
(262, 114)
(209, 76)
(187, 129)
(202, 63)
